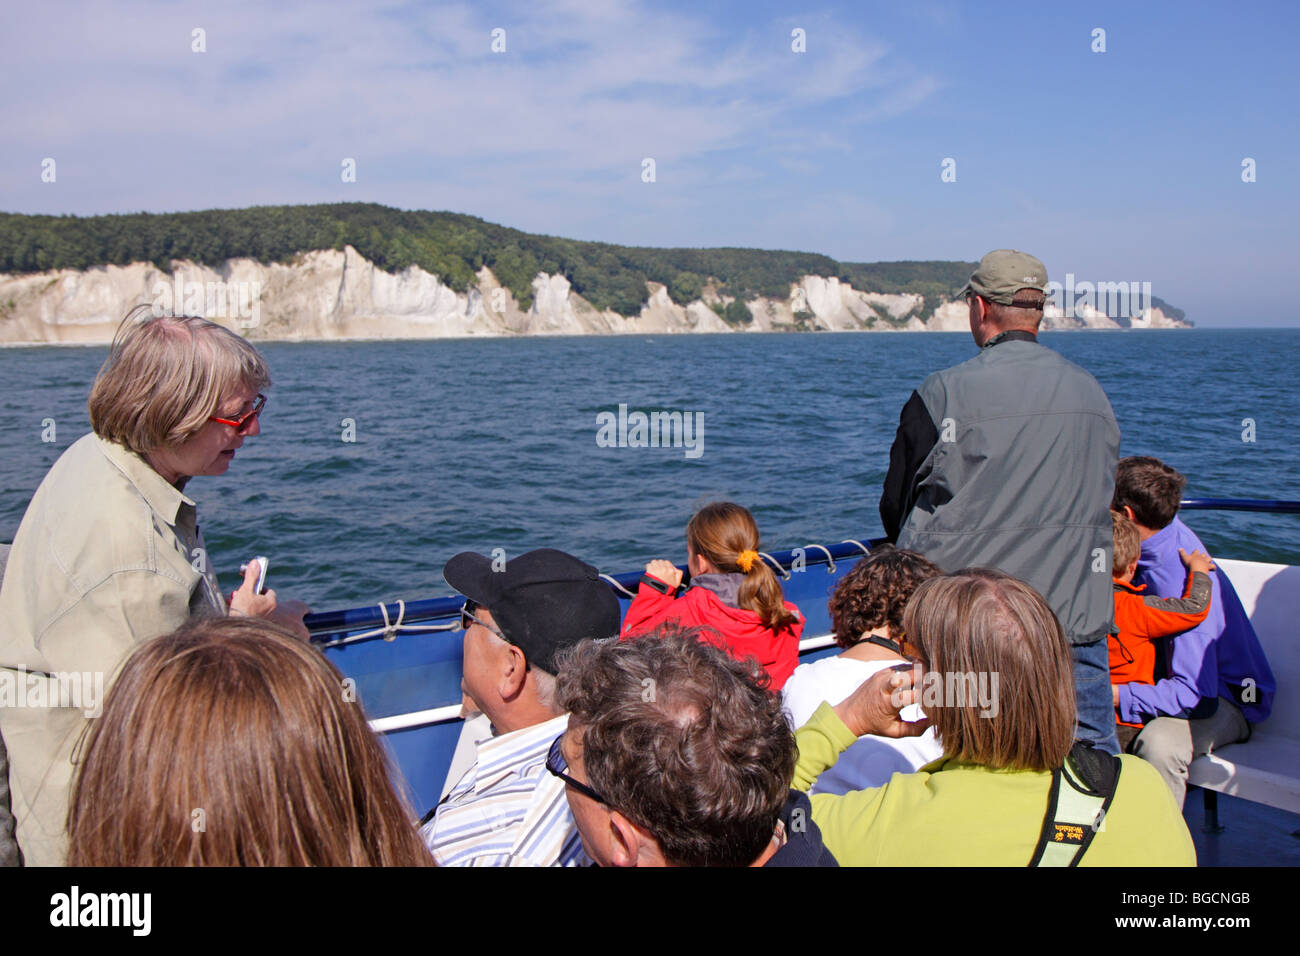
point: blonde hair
(980, 623)
(165, 376)
(1128, 543)
(230, 742)
(727, 535)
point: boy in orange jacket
(1142, 619)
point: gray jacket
(1019, 477)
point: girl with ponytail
(733, 593)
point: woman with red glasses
(109, 553)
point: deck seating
(1265, 769)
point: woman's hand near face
(874, 707)
(246, 601)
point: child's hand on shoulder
(666, 572)
(1196, 561)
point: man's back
(1020, 479)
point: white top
(872, 760)
(508, 810)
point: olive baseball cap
(543, 601)
(1004, 272)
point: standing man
(1008, 461)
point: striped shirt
(508, 810)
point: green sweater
(953, 813)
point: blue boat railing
(1267, 505)
(398, 615)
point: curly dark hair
(875, 592)
(682, 740)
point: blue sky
(1122, 165)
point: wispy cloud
(835, 150)
(283, 93)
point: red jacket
(739, 632)
(1142, 619)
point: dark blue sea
(482, 444)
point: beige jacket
(107, 556)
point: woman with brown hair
(998, 687)
(230, 742)
(733, 593)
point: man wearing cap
(1008, 461)
(507, 810)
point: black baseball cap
(543, 601)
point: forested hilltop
(361, 270)
(452, 246)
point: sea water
(378, 461)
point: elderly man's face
(481, 661)
(591, 817)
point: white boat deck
(1267, 768)
(1258, 781)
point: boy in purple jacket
(1212, 682)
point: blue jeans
(1092, 695)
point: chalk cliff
(340, 295)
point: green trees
(736, 313)
(452, 246)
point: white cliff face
(1083, 316)
(552, 312)
(660, 314)
(950, 317)
(69, 306)
(835, 306)
(330, 294)
(704, 319)
(898, 306)
(1156, 319)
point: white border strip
(816, 643)
(442, 715)
(437, 715)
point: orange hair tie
(746, 560)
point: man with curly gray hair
(677, 755)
